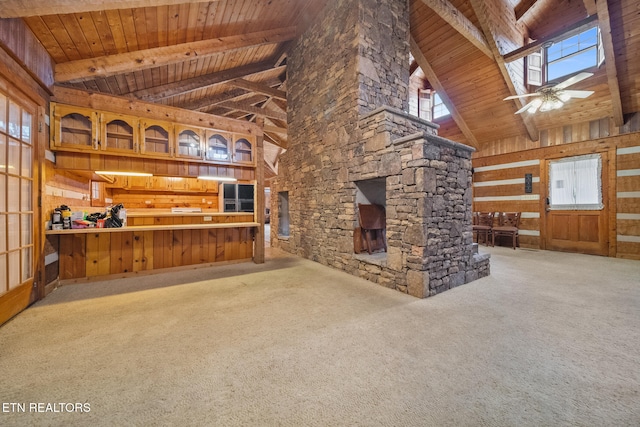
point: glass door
(16, 201)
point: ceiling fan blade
(578, 93)
(521, 96)
(573, 80)
(532, 106)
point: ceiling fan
(553, 97)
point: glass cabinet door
(189, 142)
(74, 127)
(119, 134)
(243, 150)
(218, 146)
(155, 137)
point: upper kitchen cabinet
(118, 133)
(189, 142)
(243, 150)
(74, 128)
(218, 146)
(156, 138)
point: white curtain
(575, 183)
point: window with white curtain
(575, 183)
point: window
(575, 183)
(283, 214)
(575, 53)
(439, 109)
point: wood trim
(136, 228)
(104, 66)
(259, 238)
(612, 202)
(610, 61)
(435, 82)
(14, 301)
(97, 101)
(572, 30)
(523, 7)
(460, 23)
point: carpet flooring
(549, 339)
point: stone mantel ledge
(397, 112)
(434, 139)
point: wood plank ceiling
(228, 57)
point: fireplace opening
(369, 236)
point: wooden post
(258, 254)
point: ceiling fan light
(546, 106)
(557, 104)
(535, 104)
(564, 97)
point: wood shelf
(154, 228)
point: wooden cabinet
(156, 138)
(218, 146)
(74, 128)
(243, 150)
(189, 142)
(118, 133)
(83, 129)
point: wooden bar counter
(153, 241)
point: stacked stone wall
(347, 92)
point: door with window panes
(577, 212)
(16, 205)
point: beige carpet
(548, 339)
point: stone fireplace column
(347, 97)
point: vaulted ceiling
(228, 57)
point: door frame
(609, 198)
(19, 298)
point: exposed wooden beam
(211, 100)
(514, 85)
(523, 7)
(247, 107)
(590, 5)
(610, 61)
(103, 66)
(275, 129)
(435, 82)
(121, 105)
(24, 8)
(201, 82)
(572, 30)
(276, 140)
(457, 20)
(259, 88)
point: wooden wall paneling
(186, 248)
(115, 263)
(177, 248)
(221, 244)
(93, 252)
(160, 248)
(72, 256)
(212, 245)
(104, 258)
(196, 246)
(611, 188)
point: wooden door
(580, 231)
(17, 204)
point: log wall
(499, 180)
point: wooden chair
(373, 224)
(508, 226)
(483, 225)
